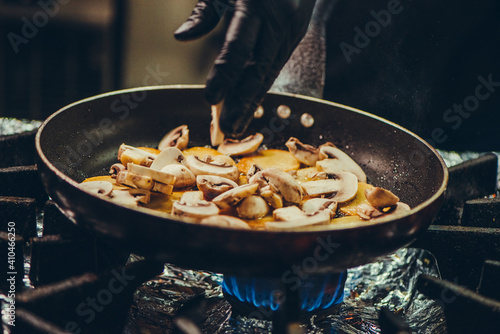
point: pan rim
(324, 228)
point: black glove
(261, 37)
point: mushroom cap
(381, 198)
(306, 154)
(183, 176)
(198, 210)
(287, 186)
(333, 160)
(212, 185)
(288, 213)
(341, 189)
(178, 138)
(317, 204)
(252, 207)
(319, 218)
(168, 156)
(102, 188)
(247, 145)
(225, 221)
(232, 197)
(200, 167)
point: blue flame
(316, 292)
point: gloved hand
(262, 35)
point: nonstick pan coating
(82, 139)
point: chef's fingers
(203, 19)
(237, 50)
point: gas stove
(60, 279)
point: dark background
(427, 59)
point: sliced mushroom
(306, 154)
(334, 161)
(212, 186)
(270, 194)
(381, 198)
(241, 147)
(115, 169)
(156, 175)
(287, 186)
(134, 180)
(183, 176)
(199, 210)
(169, 156)
(127, 153)
(319, 204)
(192, 197)
(200, 167)
(103, 188)
(225, 221)
(178, 138)
(288, 213)
(223, 159)
(341, 189)
(232, 197)
(216, 134)
(124, 197)
(252, 207)
(141, 195)
(254, 169)
(319, 218)
(163, 188)
(366, 211)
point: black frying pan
(82, 140)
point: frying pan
(82, 139)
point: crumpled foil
(10, 126)
(389, 282)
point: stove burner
(259, 297)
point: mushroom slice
(141, 195)
(306, 154)
(225, 221)
(178, 138)
(366, 211)
(156, 175)
(200, 167)
(212, 186)
(216, 134)
(341, 189)
(270, 194)
(232, 197)
(319, 218)
(169, 156)
(103, 188)
(127, 153)
(223, 159)
(254, 169)
(381, 198)
(247, 145)
(192, 197)
(124, 197)
(115, 169)
(287, 186)
(183, 176)
(319, 204)
(252, 207)
(199, 210)
(163, 188)
(288, 213)
(134, 180)
(332, 160)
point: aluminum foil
(10, 126)
(389, 282)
